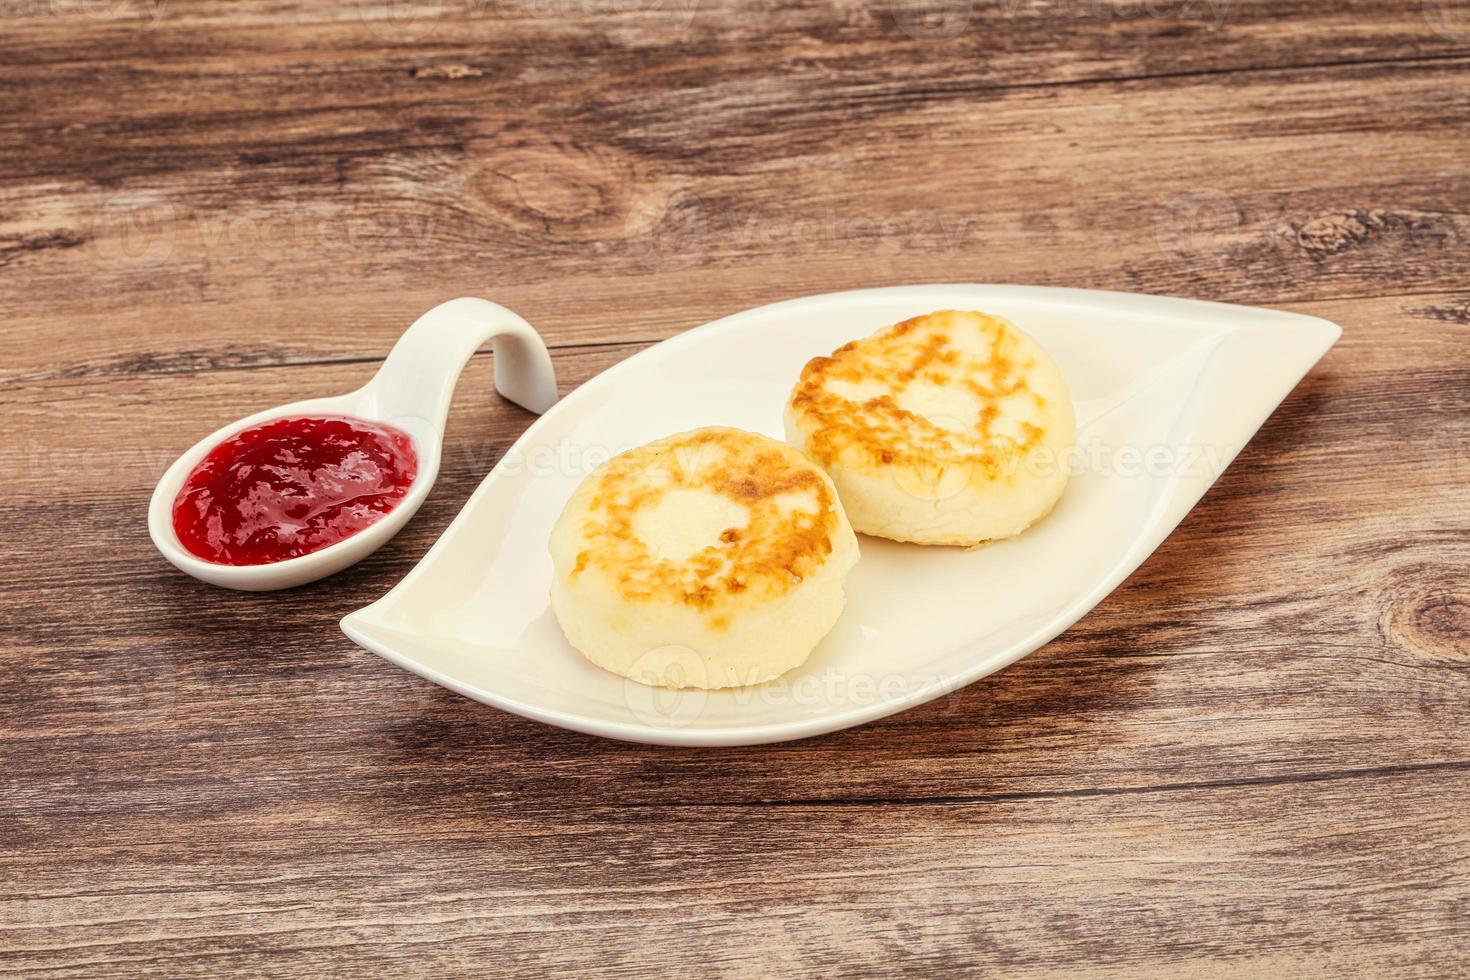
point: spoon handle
(421, 370)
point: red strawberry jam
(289, 487)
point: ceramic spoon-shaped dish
(1167, 391)
(411, 391)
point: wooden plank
(1250, 759)
(1342, 876)
(1008, 42)
(225, 238)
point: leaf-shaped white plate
(1167, 392)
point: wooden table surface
(1251, 759)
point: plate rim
(357, 625)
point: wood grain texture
(1185, 881)
(1251, 759)
(300, 205)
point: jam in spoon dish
(297, 492)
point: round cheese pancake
(950, 428)
(713, 558)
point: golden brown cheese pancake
(950, 428)
(713, 558)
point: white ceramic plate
(1167, 392)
